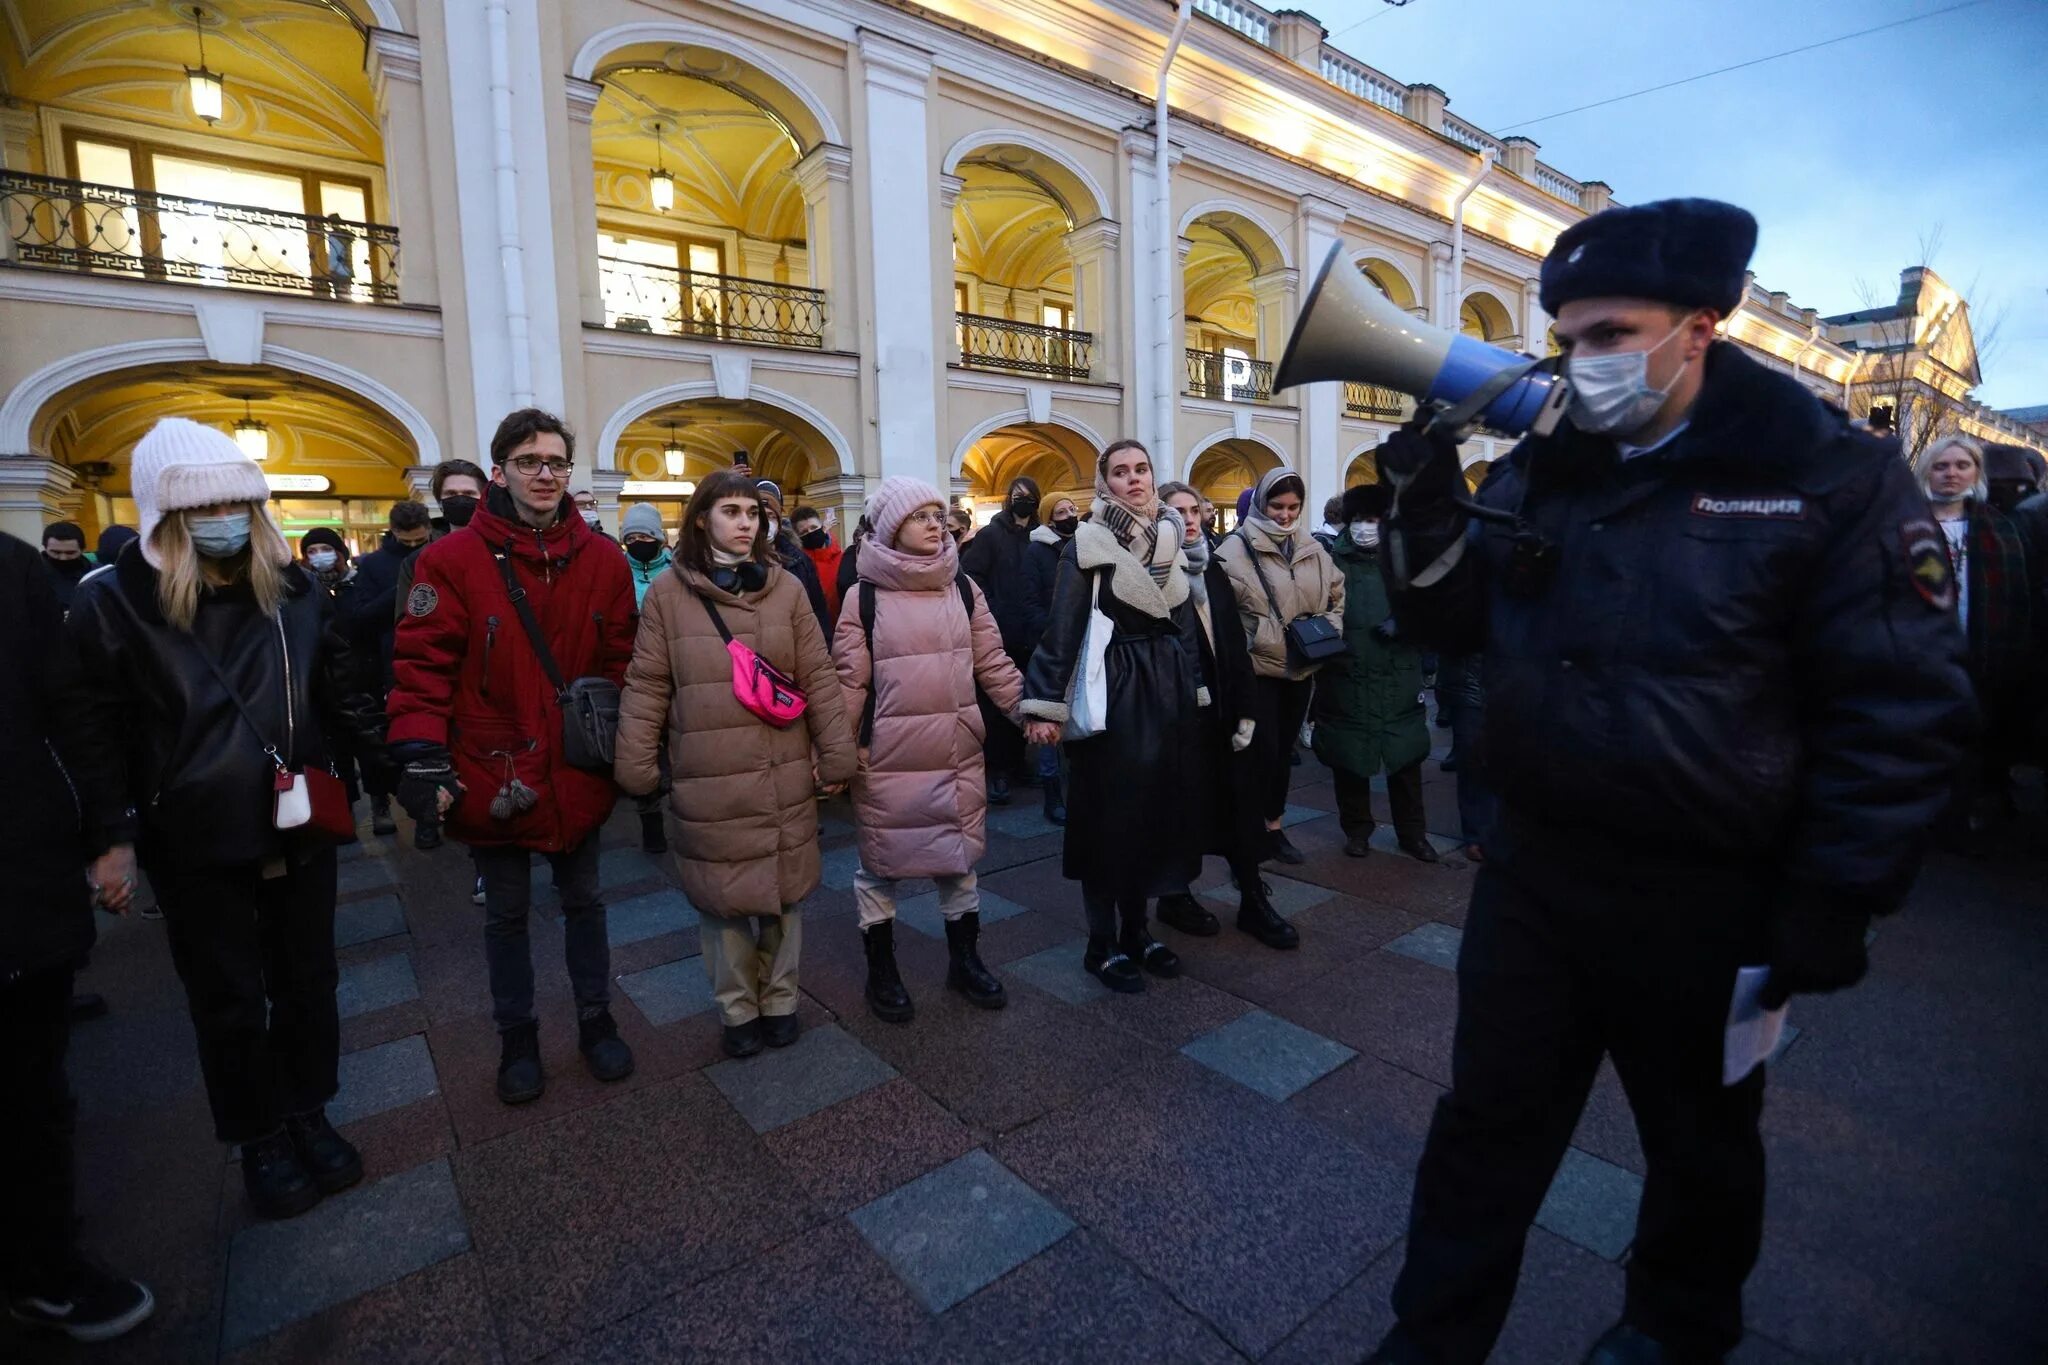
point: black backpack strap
(867, 630)
(717, 621)
(966, 587)
(532, 627)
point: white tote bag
(1088, 696)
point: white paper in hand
(1753, 1031)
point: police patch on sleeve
(422, 600)
(1927, 566)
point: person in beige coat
(1279, 574)
(745, 821)
(913, 640)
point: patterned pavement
(1216, 1170)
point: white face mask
(321, 560)
(1611, 394)
(590, 518)
(1365, 534)
(774, 526)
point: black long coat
(1226, 781)
(1127, 828)
(995, 559)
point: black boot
(1622, 1344)
(1281, 849)
(1106, 962)
(1420, 849)
(604, 1052)
(326, 1154)
(999, 789)
(1147, 951)
(886, 996)
(520, 1077)
(426, 835)
(1257, 917)
(380, 816)
(1055, 801)
(966, 974)
(1185, 913)
(277, 1181)
(653, 838)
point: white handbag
(1088, 695)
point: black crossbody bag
(1310, 639)
(590, 705)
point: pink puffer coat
(919, 794)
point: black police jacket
(1744, 657)
(174, 765)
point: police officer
(1725, 701)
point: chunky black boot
(326, 1154)
(743, 1040)
(604, 1052)
(1257, 917)
(999, 789)
(1055, 801)
(966, 974)
(278, 1183)
(1147, 951)
(886, 996)
(1185, 913)
(779, 1030)
(1106, 962)
(520, 1077)
(381, 822)
(1281, 849)
(653, 838)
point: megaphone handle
(1460, 415)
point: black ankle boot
(886, 996)
(520, 1077)
(326, 1154)
(1185, 913)
(604, 1052)
(1145, 950)
(653, 838)
(966, 974)
(1622, 1344)
(1055, 801)
(1106, 962)
(278, 1183)
(1257, 917)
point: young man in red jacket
(477, 727)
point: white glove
(1242, 740)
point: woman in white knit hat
(211, 686)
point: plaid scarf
(1154, 544)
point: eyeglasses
(530, 465)
(926, 518)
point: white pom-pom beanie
(182, 464)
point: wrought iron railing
(76, 225)
(1233, 378)
(1373, 402)
(643, 297)
(999, 344)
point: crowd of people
(1752, 710)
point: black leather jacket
(182, 773)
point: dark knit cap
(1690, 252)
(324, 535)
(63, 530)
(1368, 501)
(113, 540)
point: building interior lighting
(205, 84)
(661, 186)
(251, 435)
(672, 454)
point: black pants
(1547, 982)
(1003, 748)
(508, 952)
(1280, 706)
(256, 955)
(35, 1140)
(1404, 798)
(1103, 905)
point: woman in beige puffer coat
(745, 831)
(913, 640)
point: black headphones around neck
(748, 577)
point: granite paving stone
(437, 1316)
(1023, 821)
(859, 1149)
(1384, 840)
(950, 1232)
(1057, 971)
(672, 991)
(646, 916)
(383, 1077)
(280, 1272)
(375, 984)
(921, 912)
(1592, 1203)
(781, 1085)
(837, 866)
(364, 874)
(1436, 944)
(1267, 1054)
(617, 867)
(1293, 815)
(1289, 897)
(365, 920)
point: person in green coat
(1368, 704)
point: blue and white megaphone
(1349, 330)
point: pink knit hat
(896, 499)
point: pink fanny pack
(759, 686)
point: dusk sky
(1847, 155)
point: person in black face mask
(994, 558)
(64, 557)
(814, 534)
(1057, 517)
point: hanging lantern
(661, 186)
(672, 454)
(251, 435)
(204, 84)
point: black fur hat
(1367, 501)
(1691, 252)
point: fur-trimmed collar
(1095, 548)
(1042, 534)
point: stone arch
(671, 32)
(1393, 280)
(1223, 434)
(1266, 249)
(1081, 195)
(1494, 319)
(1362, 464)
(655, 399)
(1020, 418)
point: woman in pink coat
(913, 640)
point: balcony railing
(1345, 71)
(999, 344)
(74, 225)
(1374, 403)
(640, 296)
(1253, 21)
(1233, 378)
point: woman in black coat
(210, 668)
(1225, 776)
(1057, 518)
(1128, 837)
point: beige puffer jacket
(1309, 585)
(919, 796)
(746, 818)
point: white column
(1322, 405)
(17, 131)
(393, 60)
(1443, 309)
(894, 147)
(1092, 246)
(1273, 298)
(758, 258)
(608, 484)
(988, 299)
(33, 493)
(1144, 315)
(822, 177)
(1535, 322)
(583, 97)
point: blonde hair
(1923, 464)
(182, 575)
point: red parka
(465, 675)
